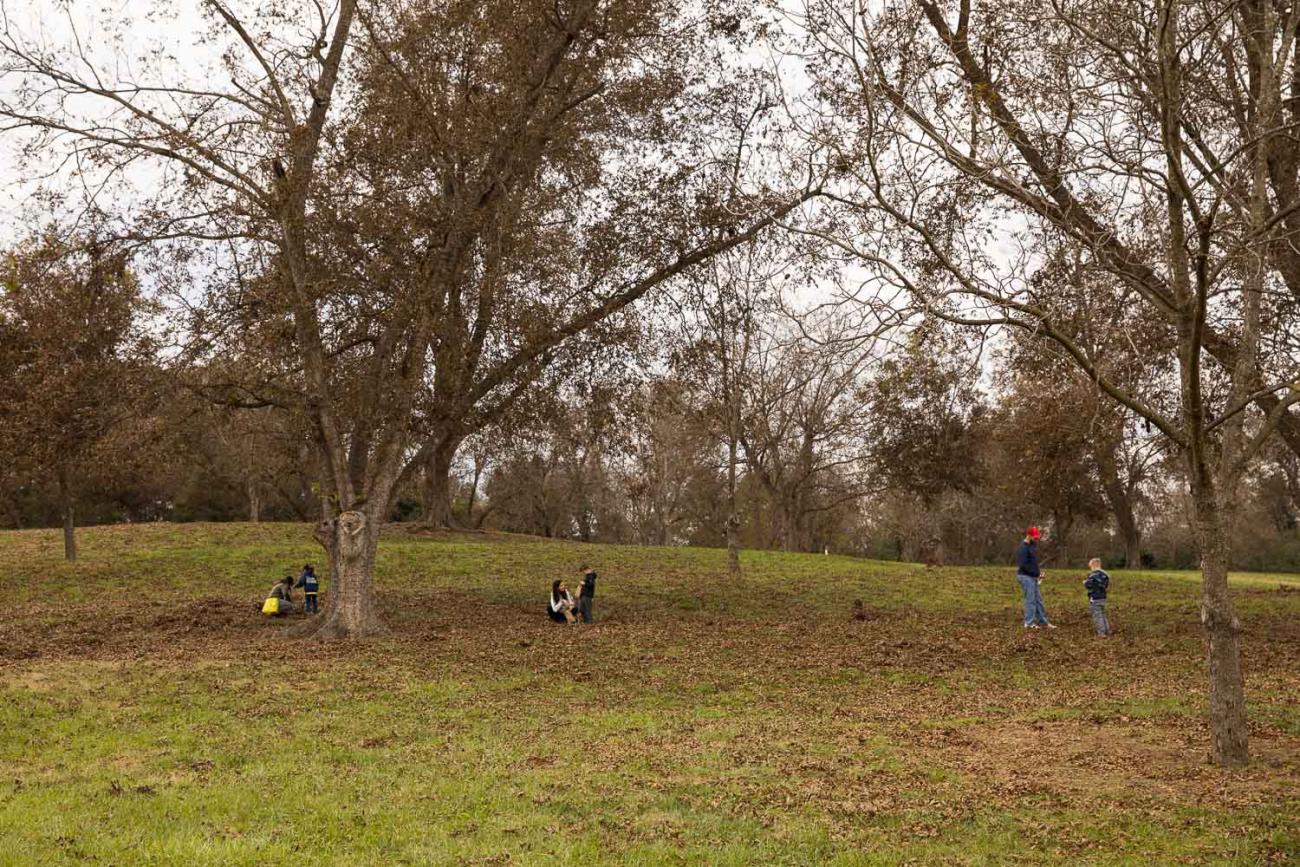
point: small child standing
(310, 585)
(586, 593)
(1096, 584)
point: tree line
(887, 450)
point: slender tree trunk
(351, 541)
(1229, 746)
(69, 524)
(254, 501)
(473, 489)
(733, 434)
(733, 515)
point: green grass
(149, 715)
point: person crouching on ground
(586, 593)
(281, 595)
(310, 585)
(561, 608)
(1030, 577)
(1096, 584)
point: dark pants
(311, 603)
(584, 608)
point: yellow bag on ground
(271, 605)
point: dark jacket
(1097, 583)
(308, 582)
(588, 588)
(1027, 560)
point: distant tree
(1044, 461)
(803, 436)
(1119, 450)
(721, 312)
(1278, 484)
(668, 467)
(923, 412)
(77, 360)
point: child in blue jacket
(310, 585)
(1096, 584)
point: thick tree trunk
(1133, 552)
(351, 541)
(437, 496)
(1062, 525)
(1228, 732)
(437, 483)
(69, 524)
(790, 512)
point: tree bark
(351, 541)
(1229, 746)
(437, 483)
(69, 524)
(254, 501)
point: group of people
(1030, 576)
(563, 608)
(280, 600)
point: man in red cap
(1030, 577)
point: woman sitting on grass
(561, 608)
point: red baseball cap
(1034, 533)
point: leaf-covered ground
(150, 715)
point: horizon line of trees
(888, 451)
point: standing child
(310, 585)
(586, 593)
(1096, 584)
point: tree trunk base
(351, 540)
(333, 629)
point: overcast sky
(115, 33)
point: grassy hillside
(149, 715)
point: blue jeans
(584, 608)
(311, 603)
(1097, 608)
(1034, 610)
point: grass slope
(149, 715)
